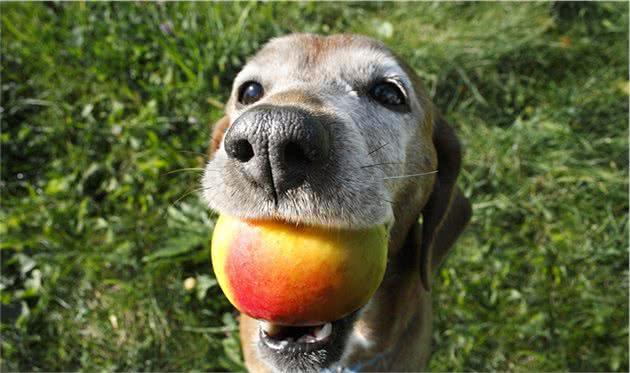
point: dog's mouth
(302, 338)
(304, 348)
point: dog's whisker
(380, 164)
(378, 148)
(411, 175)
(186, 194)
(192, 152)
(183, 170)
(206, 188)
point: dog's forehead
(309, 49)
(313, 58)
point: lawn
(105, 240)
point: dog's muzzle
(276, 148)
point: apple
(297, 275)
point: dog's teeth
(323, 332)
(283, 344)
(269, 328)
(307, 338)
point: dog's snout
(278, 147)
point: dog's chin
(317, 220)
(303, 348)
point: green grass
(100, 101)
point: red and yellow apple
(292, 274)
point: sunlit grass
(101, 101)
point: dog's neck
(358, 366)
(390, 323)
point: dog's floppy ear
(218, 130)
(447, 211)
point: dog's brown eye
(250, 92)
(388, 93)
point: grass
(101, 101)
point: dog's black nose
(278, 148)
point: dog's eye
(388, 93)
(250, 92)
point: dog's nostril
(242, 150)
(294, 153)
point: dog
(338, 131)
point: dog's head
(333, 131)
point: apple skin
(292, 274)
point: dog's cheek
(216, 183)
(211, 181)
(361, 176)
(389, 143)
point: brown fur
(397, 323)
(218, 130)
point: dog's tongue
(297, 275)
